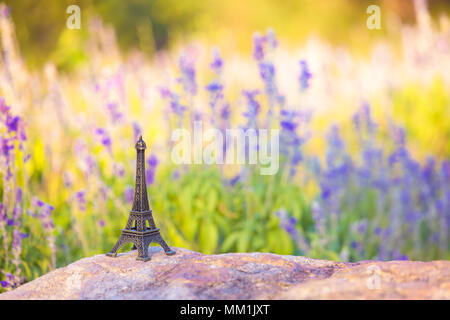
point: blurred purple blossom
(225, 112)
(305, 75)
(4, 109)
(186, 64)
(152, 162)
(217, 61)
(234, 180)
(174, 102)
(104, 138)
(118, 169)
(128, 194)
(67, 179)
(3, 214)
(253, 107)
(215, 90)
(258, 46)
(80, 199)
(116, 115)
(19, 194)
(12, 123)
(288, 223)
(137, 131)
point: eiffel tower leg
(142, 248)
(159, 240)
(119, 243)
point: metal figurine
(140, 234)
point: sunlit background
(364, 116)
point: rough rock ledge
(192, 275)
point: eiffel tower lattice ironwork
(136, 230)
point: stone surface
(192, 275)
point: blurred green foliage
(425, 114)
(155, 24)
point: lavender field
(364, 167)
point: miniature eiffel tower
(140, 234)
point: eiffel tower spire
(140, 202)
(136, 230)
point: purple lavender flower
(4, 109)
(215, 92)
(187, 69)
(12, 123)
(177, 108)
(152, 163)
(19, 194)
(67, 179)
(174, 101)
(4, 284)
(79, 147)
(288, 222)
(234, 180)
(377, 231)
(217, 61)
(428, 171)
(80, 198)
(3, 214)
(261, 44)
(114, 112)
(225, 112)
(399, 136)
(17, 241)
(37, 203)
(90, 163)
(362, 227)
(271, 39)
(128, 194)
(267, 71)
(137, 131)
(355, 245)
(165, 92)
(214, 87)
(104, 137)
(253, 106)
(101, 223)
(305, 76)
(149, 176)
(288, 125)
(258, 47)
(334, 139)
(6, 147)
(363, 121)
(6, 12)
(445, 170)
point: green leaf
(243, 242)
(208, 237)
(230, 241)
(212, 201)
